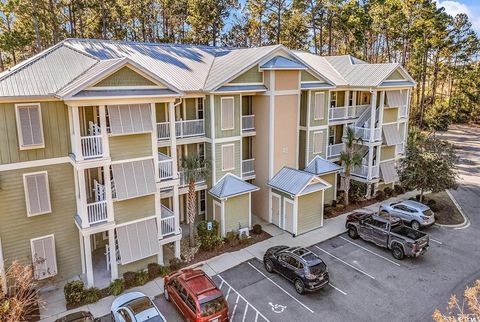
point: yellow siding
(190, 109)
(307, 77)
(390, 115)
(136, 266)
(396, 76)
(55, 132)
(236, 212)
(133, 209)
(16, 229)
(125, 77)
(330, 192)
(387, 152)
(310, 212)
(161, 111)
(130, 146)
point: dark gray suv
(304, 269)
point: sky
(470, 7)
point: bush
(176, 264)
(417, 197)
(257, 229)
(398, 189)
(380, 195)
(92, 295)
(334, 203)
(117, 287)
(154, 270)
(209, 239)
(130, 279)
(74, 292)
(431, 203)
(231, 238)
(357, 190)
(141, 277)
(388, 192)
(243, 239)
(328, 211)
(339, 207)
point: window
(37, 194)
(191, 304)
(130, 118)
(201, 151)
(228, 157)
(44, 259)
(318, 145)
(227, 113)
(331, 135)
(201, 201)
(350, 98)
(200, 108)
(29, 126)
(124, 314)
(134, 179)
(333, 99)
(319, 110)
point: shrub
(257, 229)
(357, 190)
(334, 203)
(141, 277)
(431, 203)
(380, 195)
(243, 239)
(165, 271)
(398, 189)
(74, 292)
(339, 207)
(130, 279)
(231, 238)
(417, 197)
(176, 264)
(388, 192)
(328, 211)
(92, 295)
(209, 239)
(154, 270)
(117, 287)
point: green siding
(125, 77)
(237, 212)
(190, 109)
(390, 115)
(250, 76)
(307, 77)
(324, 121)
(310, 212)
(161, 111)
(219, 133)
(16, 229)
(136, 266)
(133, 209)
(302, 145)
(55, 132)
(130, 146)
(396, 75)
(218, 160)
(387, 153)
(330, 192)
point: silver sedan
(414, 213)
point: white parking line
(245, 313)
(235, 307)
(294, 298)
(258, 313)
(228, 293)
(436, 241)
(350, 265)
(372, 252)
(344, 293)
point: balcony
(346, 112)
(334, 150)
(167, 222)
(91, 144)
(183, 129)
(184, 182)
(248, 123)
(165, 167)
(97, 211)
(248, 169)
(367, 134)
(402, 112)
(362, 171)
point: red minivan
(196, 296)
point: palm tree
(349, 159)
(193, 168)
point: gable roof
(296, 182)
(280, 62)
(319, 165)
(230, 185)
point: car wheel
(397, 252)
(415, 225)
(299, 286)
(166, 295)
(269, 266)
(352, 232)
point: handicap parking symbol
(277, 308)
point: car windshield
(140, 305)
(157, 318)
(317, 269)
(213, 306)
(428, 212)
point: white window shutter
(137, 240)
(228, 157)
(318, 142)
(29, 126)
(130, 118)
(43, 257)
(134, 179)
(227, 110)
(37, 193)
(319, 110)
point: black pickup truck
(390, 233)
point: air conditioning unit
(244, 232)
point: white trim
(282, 92)
(213, 134)
(54, 252)
(243, 84)
(228, 139)
(320, 127)
(135, 221)
(19, 127)
(249, 210)
(35, 163)
(233, 113)
(323, 203)
(3, 280)
(299, 100)
(273, 194)
(223, 218)
(27, 197)
(233, 156)
(149, 157)
(271, 136)
(101, 88)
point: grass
(446, 213)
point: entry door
(276, 211)
(217, 215)
(288, 214)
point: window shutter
(37, 193)
(318, 142)
(43, 257)
(29, 126)
(133, 179)
(137, 240)
(227, 113)
(228, 157)
(319, 111)
(130, 118)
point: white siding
(37, 193)
(29, 126)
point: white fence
(362, 171)
(334, 150)
(367, 134)
(91, 146)
(346, 112)
(97, 212)
(167, 223)
(183, 129)
(165, 166)
(402, 111)
(183, 179)
(248, 122)
(248, 167)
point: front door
(276, 211)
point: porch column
(154, 138)
(345, 103)
(177, 249)
(354, 98)
(2, 270)
(113, 254)
(82, 251)
(77, 133)
(381, 106)
(370, 162)
(173, 139)
(176, 210)
(88, 260)
(82, 190)
(368, 193)
(181, 211)
(158, 214)
(373, 108)
(108, 192)
(103, 131)
(160, 256)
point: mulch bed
(351, 207)
(446, 213)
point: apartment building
(92, 134)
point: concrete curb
(465, 223)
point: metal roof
(231, 185)
(321, 65)
(320, 166)
(242, 88)
(125, 92)
(315, 85)
(294, 182)
(397, 83)
(280, 62)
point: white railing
(402, 111)
(362, 171)
(248, 167)
(346, 112)
(334, 150)
(99, 191)
(375, 171)
(91, 146)
(163, 130)
(367, 134)
(400, 148)
(189, 128)
(93, 128)
(167, 222)
(248, 122)
(165, 166)
(183, 179)
(97, 212)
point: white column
(88, 260)
(176, 209)
(158, 214)
(103, 130)
(160, 256)
(381, 106)
(373, 107)
(345, 101)
(173, 139)
(177, 249)
(82, 251)
(354, 98)
(82, 190)
(77, 133)
(108, 192)
(113, 254)
(181, 208)
(2, 270)
(154, 141)
(370, 162)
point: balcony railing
(248, 122)
(165, 166)
(248, 167)
(184, 182)
(91, 146)
(366, 133)
(400, 148)
(334, 150)
(183, 129)
(97, 212)
(346, 112)
(402, 111)
(362, 171)
(167, 223)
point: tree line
(440, 51)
